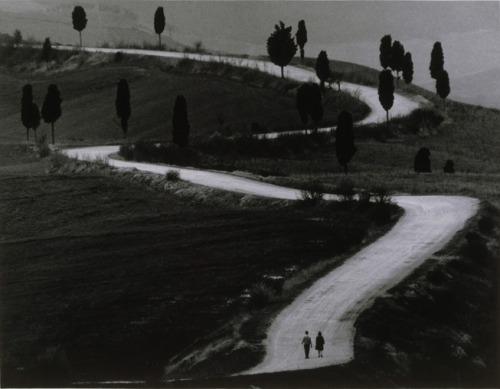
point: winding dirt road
(333, 303)
(402, 105)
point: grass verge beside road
(106, 278)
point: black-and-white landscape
(188, 187)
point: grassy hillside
(108, 276)
(220, 98)
(101, 271)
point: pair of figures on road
(307, 343)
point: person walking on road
(306, 341)
(320, 342)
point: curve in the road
(402, 105)
(333, 303)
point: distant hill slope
(107, 24)
(480, 89)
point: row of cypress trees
(180, 123)
(30, 113)
(51, 111)
(281, 48)
(79, 20)
(392, 56)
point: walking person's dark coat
(320, 343)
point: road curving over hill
(333, 303)
(402, 105)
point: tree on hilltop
(79, 18)
(397, 58)
(122, 104)
(408, 68)
(17, 38)
(301, 38)
(51, 108)
(159, 24)
(344, 139)
(437, 60)
(323, 69)
(47, 51)
(281, 47)
(180, 123)
(443, 86)
(386, 91)
(385, 51)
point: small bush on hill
(173, 175)
(423, 119)
(260, 295)
(312, 193)
(43, 147)
(345, 190)
(58, 160)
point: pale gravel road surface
(333, 303)
(402, 105)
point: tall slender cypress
(385, 51)
(301, 38)
(386, 91)
(180, 122)
(47, 51)
(51, 108)
(309, 103)
(79, 18)
(397, 58)
(344, 139)
(159, 23)
(437, 60)
(443, 86)
(323, 68)
(27, 114)
(408, 68)
(122, 104)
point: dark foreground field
(106, 278)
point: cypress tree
(443, 86)
(323, 68)
(344, 139)
(79, 18)
(51, 108)
(47, 51)
(316, 105)
(397, 57)
(159, 23)
(122, 104)
(309, 103)
(301, 38)
(386, 91)
(437, 60)
(29, 111)
(303, 103)
(180, 123)
(385, 51)
(408, 68)
(281, 47)
(17, 38)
